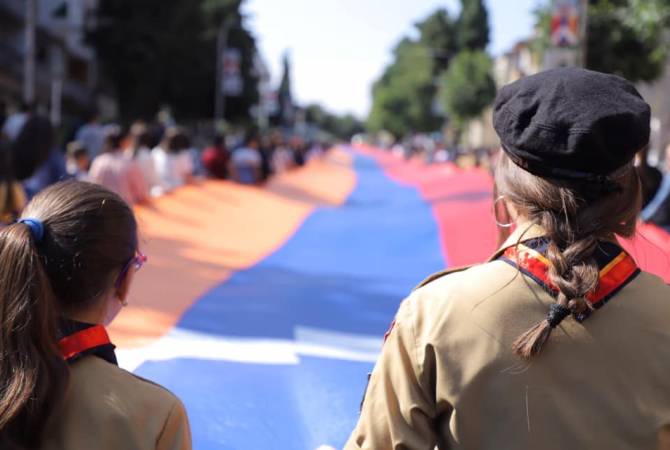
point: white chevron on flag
(181, 343)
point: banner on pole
(231, 81)
(565, 18)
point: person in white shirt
(140, 152)
(172, 160)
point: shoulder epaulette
(440, 274)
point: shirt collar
(521, 233)
(68, 327)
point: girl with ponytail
(559, 341)
(65, 270)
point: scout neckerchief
(617, 269)
(79, 339)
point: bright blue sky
(340, 47)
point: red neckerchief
(617, 269)
(85, 341)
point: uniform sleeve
(176, 434)
(397, 414)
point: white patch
(180, 343)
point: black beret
(571, 123)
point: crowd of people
(433, 149)
(560, 328)
(142, 161)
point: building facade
(65, 67)
(520, 61)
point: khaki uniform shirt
(108, 408)
(447, 376)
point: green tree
(347, 125)
(403, 98)
(286, 113)
(340, 126)
(467, 87)
(541, 42)
(473, 25)
(154, 52)
(315, 114)
(438, 35)
(628, 37)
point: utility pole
(583, 32)
(57, 76)
(29, 57)
(221, 45)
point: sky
(338, 48)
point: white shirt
(172, 169)
(282, 160)
(145, 162)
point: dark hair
(251, 136)
(10, 202)
(112, 140)
(90, 234)
(176, 140)
(92, 114)
(575, 215)
(76, 149)
(26, 107)
(140, 137)
(32, 146)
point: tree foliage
(473, 25)
(405, 97)
(625, 37)
(467, 87)
(340, 126)
(285, 113)
(155, 52)
(438, 34)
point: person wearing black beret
(559, 341)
